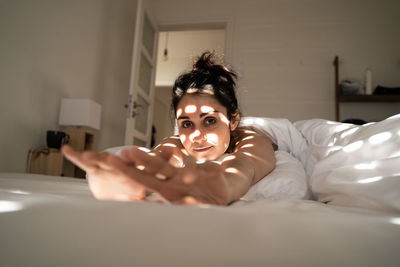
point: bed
(333, 200)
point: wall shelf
(339, 97)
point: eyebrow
(201, 115)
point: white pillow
(287, 181)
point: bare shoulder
(252, 135)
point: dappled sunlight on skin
(184, 152)
(161, 176)
(144, 149)
(179, 112)
(248, 138)
(223, 118)
(174, 137)
(353, 146)
(169, 145)
(193, 135)
(189, 109)
(263, 161)
(204, 129)
(212, 138)
(179, 161)
(206, 109)
(379, 138)
(230, 157)
(157, 146)
(370, 180)
(182, 137)
(365, 166)
(249, 132)
(232, 170)
(248, 154)
(140, 167)
(201, 161)
(247, 145)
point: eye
(210, 121)
(186, 124)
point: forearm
(239, 175)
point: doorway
(176, 52)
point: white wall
(53, 49)
(284, 49)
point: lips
(202, 149)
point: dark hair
(211, 78)
(208, 77)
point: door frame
(204, 24)
(143, 11)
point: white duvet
(344, 164)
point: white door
(141, 88)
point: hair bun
(206, 64)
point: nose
(197, 136)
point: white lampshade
(80, 112)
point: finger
(76, 158)
(145, 179)
(102, 160)
(125, 156)
(153, 164)
(166, 153)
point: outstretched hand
(192, 184)
(105, 179)
(127, 177)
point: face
(204, 128)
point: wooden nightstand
(81, 139)
(46, 161)
(51, 162)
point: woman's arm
(125, 179)
(252, 159)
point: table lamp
(80, 112)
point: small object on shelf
(384, 90)
(351, 87)
(55, 139)
(368, 82)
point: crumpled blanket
(344, 164)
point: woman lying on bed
(212, 160)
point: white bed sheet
(60, 224)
